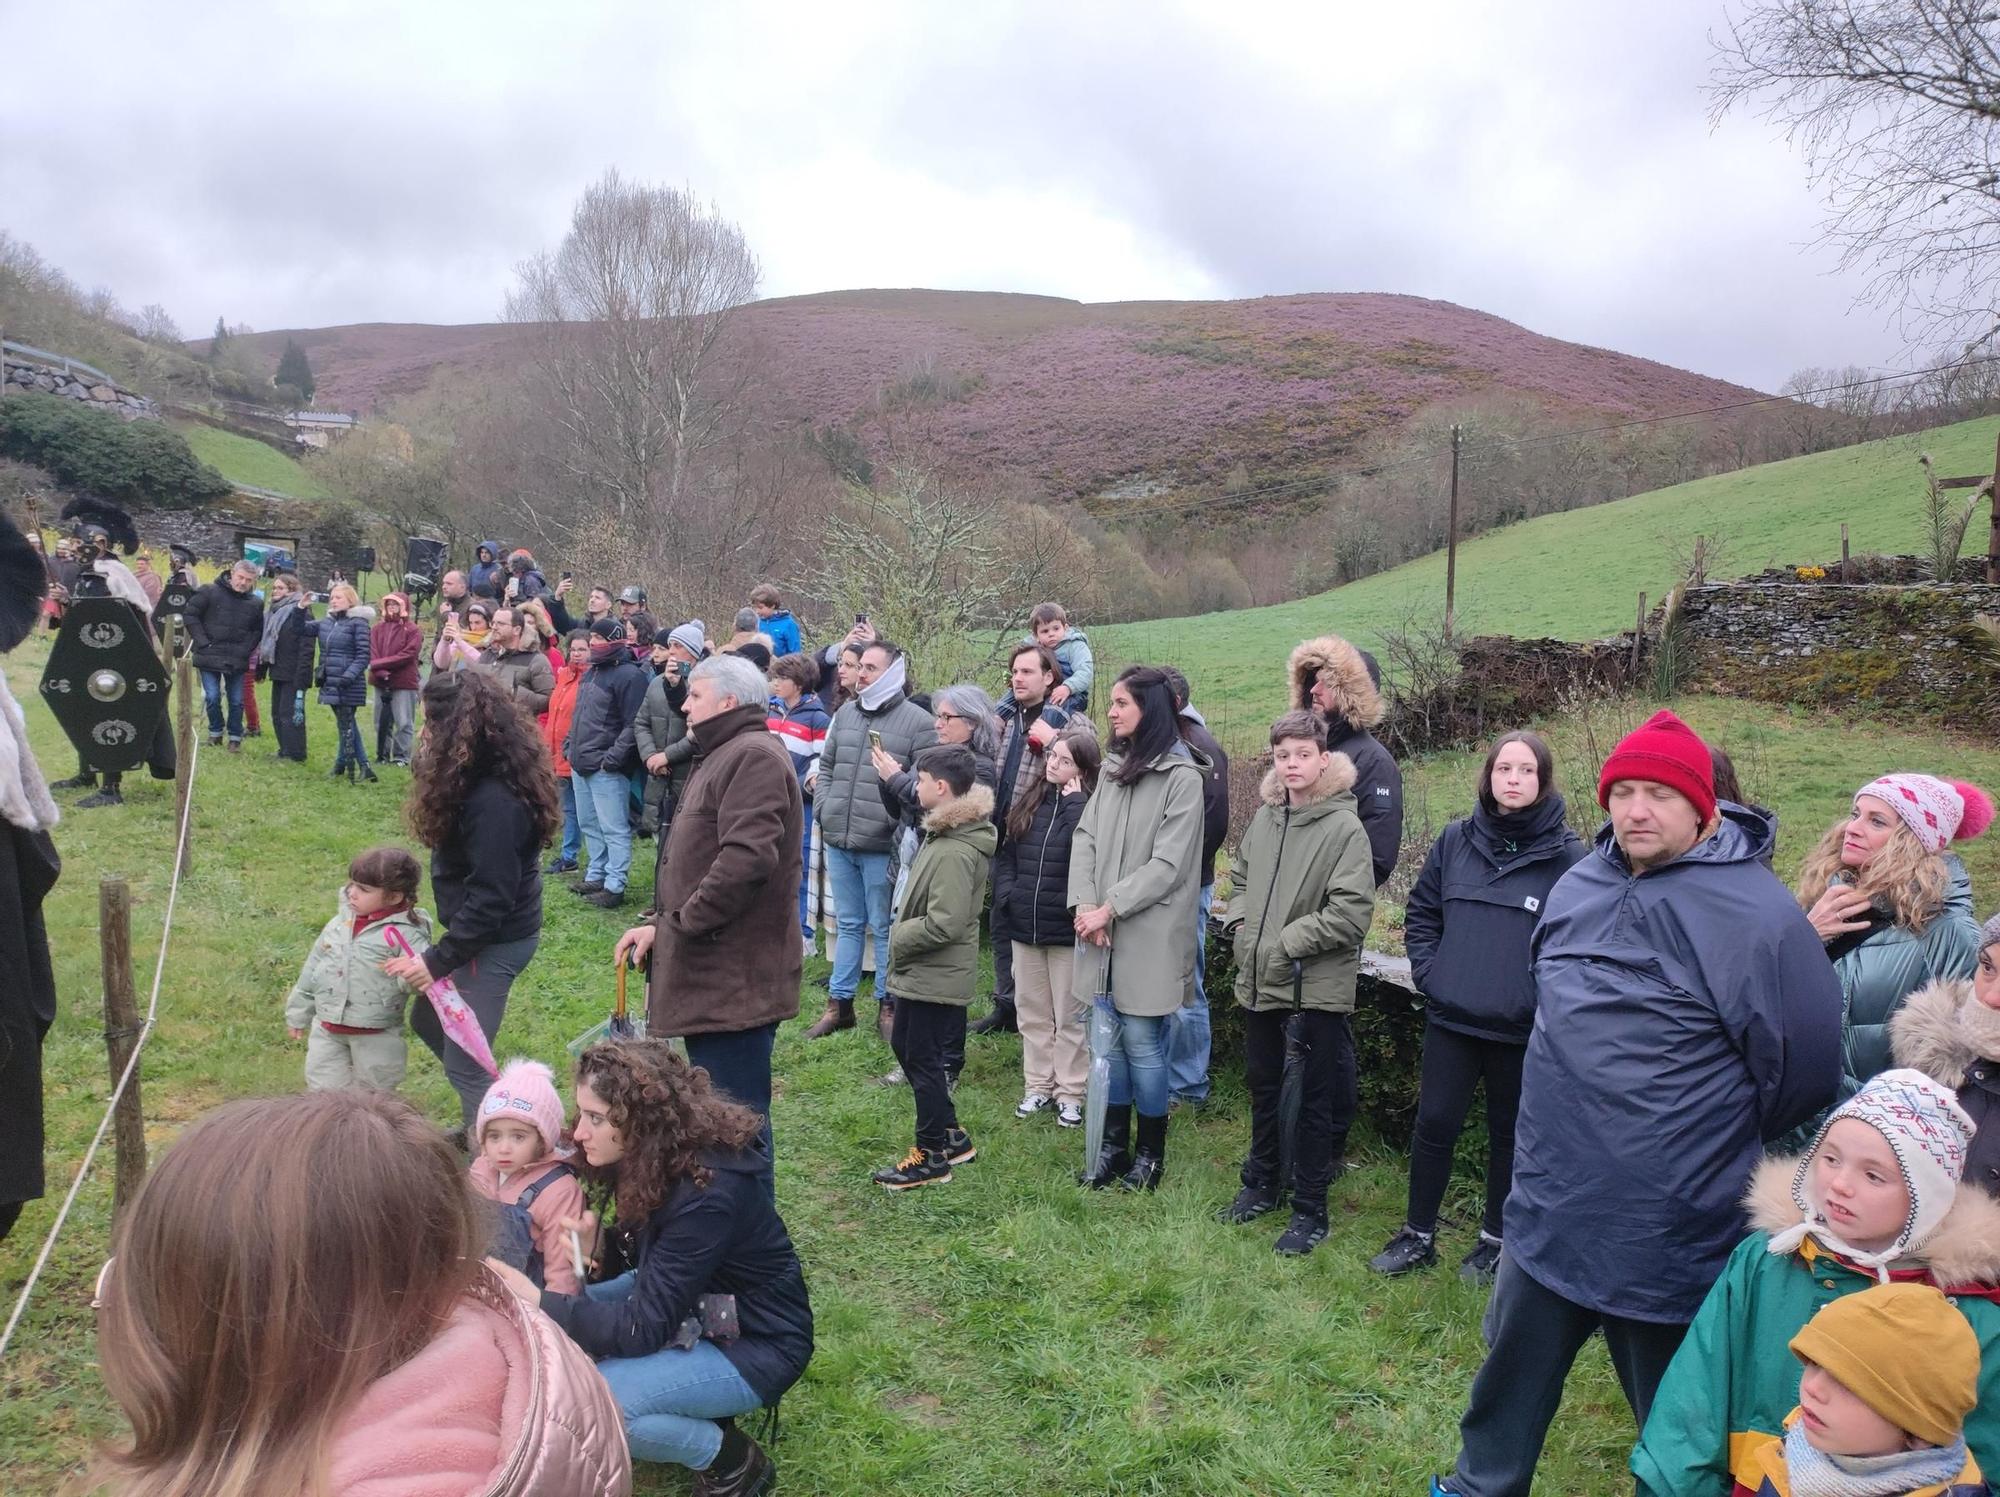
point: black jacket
(28, 870)
(725, 1239)
(227, 627)
(1474, 910)
(1031, 875)
(602, 738)
(292, 657)
(487, 878)
(1214, 796)
(1378, 794)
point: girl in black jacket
(1031, 905)
(711, 1320)
(1467, 929)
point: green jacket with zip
(1305, 881)
(934, 944)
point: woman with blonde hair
(1893, 907)
(267, 1329)
(346, 647)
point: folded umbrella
(454, 1018)
(1102, 1017)
(620, 1025)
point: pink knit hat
(1937, 811)
(526, 1092)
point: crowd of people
(1740, 1129)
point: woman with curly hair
(483, 800)
(711, 1320)
(1893, 907)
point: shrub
(136, 462)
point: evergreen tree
(215, 344)
(293, 369)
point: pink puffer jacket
(500, 1404)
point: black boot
(339, 772)
(1115, 1157)
(369, 775)
(83, 779)
(740, 1468)
(999, 1019)
(1152, 1161)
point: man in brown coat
(724, 942)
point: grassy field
(243, 459)
(1003, 1334)
(1576, 575)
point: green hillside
(246, 460)
(1576, 575)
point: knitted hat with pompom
(1937, 811)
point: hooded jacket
(561, 1197)
(500, 1403)
(1473, 913)
(1357, 707)
(1684, 1017)
(1031, 874)
(934, 944)
(658, 727)
(527, 675)
(801, 729)
(345, 645)
(1734, 1378)
(486, 578)
(601, 737)
(226, 626)
(1949, 1035)
(393, 648)
(783, 631)
(1072, 653)
(726, 956)
(1306, 886)
(486, 877)
(342, 981)
(562, 708)
(1891, 962)
(847, 799)
(1138, 849)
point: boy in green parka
(1305, 883)
(352, 1008)
(934, 955)
(1877, 1199)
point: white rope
(131, 1066)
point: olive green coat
(934, 944)
(1305, 883)
(1138, 849)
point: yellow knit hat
(1905, 1351)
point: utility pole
(1451, 536)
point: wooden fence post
(1846, 567)
(1638, 636)
(121, 1035)
(183, 669)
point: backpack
(514, 1235)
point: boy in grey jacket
(344, 1006)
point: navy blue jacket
(725, 1239)
(345, 647)
(1031, 875)
(486, 877)
(1474, 910)
(1684, 1017)
(602, 739)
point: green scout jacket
(934, 944)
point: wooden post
(1638, 636)
(121, 1035)
(1846, 566)
(1700, 560)
(183, 669)
(1451, 536)
(1993, 534)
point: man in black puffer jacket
(1331, 677)
(603, 752)
(1189, 1036)
(226, 621)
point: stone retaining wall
(20, 372)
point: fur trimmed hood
(1355, 694)
(1942, 1029)
(1336, 777)
(975, 806)
(1963, 1251)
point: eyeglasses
(949, 717)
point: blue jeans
(1187, 1027)
(572, 836)
(740, 1064)
(215, 687)
(806, 875)
(603, 807)
(1139, 1065)
(860, 885)
(671, 1399)
(348, 732)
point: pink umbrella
(457, 1021)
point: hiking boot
(838, 1015)
(1114, 1158)
(1408, 1250)
(917, 1168)
(588, 887)
(1151, 1162)
(1305, 1231)
(1482, 1263)
(1069, 1114)
(83, 779)
(1251, 1202)
(958, 1147)
(740, 1468)
(1031, 1104)
(606, 899)
(885, 1020)
(1000, 1018)
(105, 797)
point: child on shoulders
(1071, 647)
(522, 1166)
(344, 1006)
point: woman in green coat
(1134, 878)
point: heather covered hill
(1084, 398)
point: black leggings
(1454, 1064)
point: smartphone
(451, 617)
(569, 576)
(874, 739)
(861, 618)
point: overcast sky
(290, 165)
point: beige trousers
(376, 1061)
(1055, 1055)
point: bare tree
(629, 314)
(1895, 104)
(156, 325)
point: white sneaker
(1031, 1104)
(1069, 1115)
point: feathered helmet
(24, 581)
(107, 519)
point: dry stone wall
(19, 372)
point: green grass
(1002, 1334)
(242, 459)
(1576, 575)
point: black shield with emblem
(105, 685)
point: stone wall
(321, 538)
(1886, 649)
(23, 372)
(1500, 683)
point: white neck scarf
(887, 685)
(24, 795)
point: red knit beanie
(1667, 750)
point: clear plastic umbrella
(1102, 1017)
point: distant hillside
(1085, 398)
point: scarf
(267, 647)
(1814, 1473)
(25, 801)
(888, 686)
